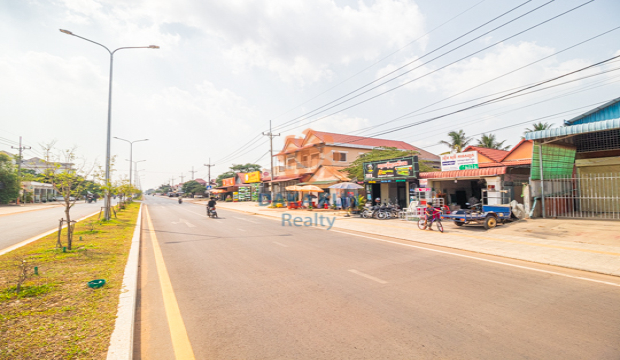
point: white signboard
(459, 161)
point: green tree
(538, 126)
(458, 141)
(356, 169)
(9, 181)
(193, 187)
(489, 141)
(164, 188)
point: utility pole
(192, 171)
(19, 159)
(209, 166)
(271, 136)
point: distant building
(39, 166)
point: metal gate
(591, 196)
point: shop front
(391, 180)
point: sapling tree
(69, 181)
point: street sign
(209, 187)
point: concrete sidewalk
(589, 245)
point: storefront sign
(459, 161)
(228, 182)
(402, 168)
(252, 177)
(423, 189)
(423, 182)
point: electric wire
(363, 70)
(417, 59)
(494, 100)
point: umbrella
(346, 185)
(310, 188)
(295, 188)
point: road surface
(18, 227)
(245, 287)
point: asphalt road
(249, 288)
(21, 226)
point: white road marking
(253, 222)
(368, 276)
(275, 242)
(481, 259)
(184, 222)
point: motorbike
(180, 201)
(211, 212)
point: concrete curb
(121, 342)
(35, 238)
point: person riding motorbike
(211, 204)
(180, 200)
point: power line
(380, 60)
(503, 97)
(531, 120)
(433, 59)
(498, 77)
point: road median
(56, 315)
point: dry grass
(57, 316)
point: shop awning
(324, 182)
(283, 178)
(472, 173)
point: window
(339, 156)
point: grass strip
(56, 315)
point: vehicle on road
(180, 200)
(62, 198)
(211, 212)
(487, 215)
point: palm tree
(539, 126)
(489, 141)
(458, 140)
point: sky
(225, 69)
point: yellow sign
(252, 177)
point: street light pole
(130, 153)
(107, 156)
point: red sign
(228, 182)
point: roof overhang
(464, 174)
(566, 131)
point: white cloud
(300, 41)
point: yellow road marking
(180, 340)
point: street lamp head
(66, 31)
(150, 46)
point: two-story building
(318, 157)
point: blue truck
(479, 214)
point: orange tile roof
(490, 171)
(493, 154)
(333, 138)
(515, 148)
